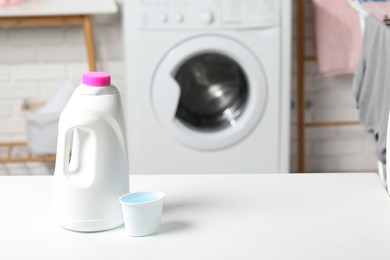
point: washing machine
(207, 85)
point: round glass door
(213, 92)
(209, 92)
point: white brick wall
(329, 149)
(33, 60)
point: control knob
(206, 17)
(163, 18)
(179, 18)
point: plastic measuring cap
(97, 79)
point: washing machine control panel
(207, 14)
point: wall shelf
(10, 146)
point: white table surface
(264, 216)
(59, 8)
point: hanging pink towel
(338, 37)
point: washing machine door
(209, 92)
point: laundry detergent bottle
(91, 170)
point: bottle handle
(70, 143)
(70, 163)
(66, 159)
(71, 153)
(68, 151)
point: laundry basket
(42, 122)
(41, 128)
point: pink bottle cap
(96, 79)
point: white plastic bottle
(91, 170)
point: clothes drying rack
(371, 7)
(301, 95)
